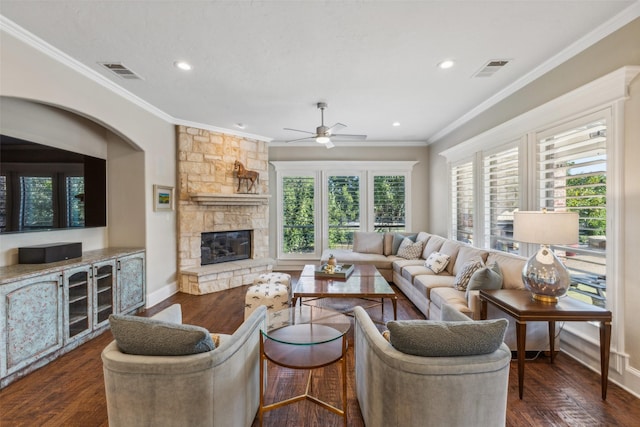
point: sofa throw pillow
(444, 339)
(489, 277)
(368, 242)
(465, 273)
(397, 241)
(409, 249)
(151, 337)
(437, 262)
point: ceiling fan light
(323, 139)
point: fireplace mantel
(211, 199)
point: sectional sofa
(430, 291)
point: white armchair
(400, 389)
(215, 388)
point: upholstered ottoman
(273, 295)
(279, 278)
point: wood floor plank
(70, 390)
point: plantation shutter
(343, 210)
(572, 168)
(462, 200)
(501, 198)
(389, 203)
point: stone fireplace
(208, 201)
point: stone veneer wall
(205, 165)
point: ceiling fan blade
(302, 139)
(336, 128)
(298, 130)
(329, 145)
(348, 136)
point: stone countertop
(11, 273)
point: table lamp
(544, 274)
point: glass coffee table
(365, 282)
(304, 337)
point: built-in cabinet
(49, 309)
(131, 292)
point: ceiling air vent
(120, 70)
(491, 67)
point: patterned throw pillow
(465, 273)
(409, 249)
(437, 262)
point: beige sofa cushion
(423, 236)
(368, 242)
(449, 295)
(433, 245)
(451, 248)
(387, 243)
(411, 271)
(400, 263)
(511, 266)
(467, 253)
(426, 282)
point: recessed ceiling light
(396, 124)
(448, 63)
(183, 65)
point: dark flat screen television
(46, 188)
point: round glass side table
(307, 338)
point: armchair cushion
(152, 337)
(440, 339)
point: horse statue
(245, 175)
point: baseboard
(161, 294)
(586, 350)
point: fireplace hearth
(225, 246)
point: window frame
(321, 170)
(602, 98)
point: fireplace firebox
(224, 246)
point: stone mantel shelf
(211, 199)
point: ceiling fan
(324, 134)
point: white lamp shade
(546, 228)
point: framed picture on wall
(162, 198)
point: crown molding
(610, 26)
(13, 29)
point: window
(501, 188)
(389, 203)
(572, 168)
(343, 193)
(462, 202)
(320, 205)
(298, 219)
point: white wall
(27, 73)
(619, 49)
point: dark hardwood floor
(70, 390)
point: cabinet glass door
(104, 280)
(78, 301)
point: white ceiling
(266, 64)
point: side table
(306, 338)
(519, 304)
